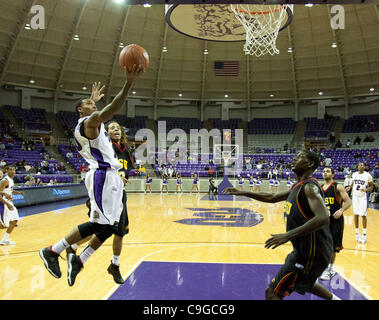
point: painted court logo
(224, 217)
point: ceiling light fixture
(334, 45)
(320, 93)
(27, 26)
(226, 96)
(372, 89)
(164, 49)
(32, 81)
(147, 5)
(289, 50)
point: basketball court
(180, 247)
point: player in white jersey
(361, 183)
(103, 182)
(8, 211)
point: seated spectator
(338, 144)
(27, 167)
(39, 182)
(51, 182)
(328, 161)
(366, 139)
(19, 166)
(83, 170)
(340, 168)
(357, 140)
(62, 167)
(371, 139)
(358, 155)
(3, 163)
(69, 155)
(376, 166)
(348, 143)
(2, 145)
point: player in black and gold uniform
(307, 220)
(118, 137)
(337, 201)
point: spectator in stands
(19, 166)
(376, 166)
(51, 182)
(338, 144)
(170, 171)
(83, 170)
(357, 140)
(371, 139)
(2, 145)
(348, 143)
(340, 168)
(358, 155)
(69, 155)
(248, 163)
(44, 166)
(328, 161)
(142, 170)
(211, 172)
(39, 182)
(1, 173)
(3, 163)
(62, 167)
(366, 139)
(332, 137)
(369, 156)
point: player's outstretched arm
(261, 196)
(320, 219)
(111, 109)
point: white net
(262, 24)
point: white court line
(115, 287)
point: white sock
(5, 236)
(75, 246)
(116, 260)
(60, 246)
(334, 297)
(356, 230)
(364, 232)
(86, 254)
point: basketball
(133, 54)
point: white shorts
(360, 206)
(105, 189)
(7, 215)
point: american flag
(226, 68)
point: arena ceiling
(83, 38)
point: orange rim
(259, 12)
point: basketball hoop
(262, 24)
(226, 155)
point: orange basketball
(133, 54)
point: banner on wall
(46, 194)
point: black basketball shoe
(114, 270)
(50, 260)
(74, 267)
